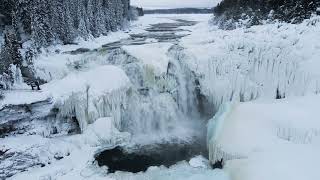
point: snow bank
(199, 162)
(16, 97)
(89, 95)
(268, 140)
(67, 157)
(180, 171)
(54, 63)
(92, 43)
(53, 66)
(103, 132)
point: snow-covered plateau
(167, 80)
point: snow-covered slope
(268, 139)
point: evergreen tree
(292, 11)
(56, 21)
(9, 55)
(41, 30)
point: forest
(229, 13)
(28, 25)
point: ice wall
(87, 96)
(268, 61)
(215, 127)
(158, 100)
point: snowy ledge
(153, 55)
(90, 95)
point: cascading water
(164, 106)
(161, 111)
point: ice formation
(264, 63)
(160, 98)
(13, 80)
(103, 132)
(87, 98)
(215, 128)
(154, 55)
(165, 105)
(110, 93)
(261, 61)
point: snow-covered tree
(229, 12)
(56, 21)
(9, 56)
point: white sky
(173, 3)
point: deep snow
(276, 139)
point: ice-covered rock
(103, 132)
(199, 162)
(87, 96)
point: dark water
(120, 159)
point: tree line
(256, 11)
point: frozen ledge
(90, 95)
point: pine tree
(41, 30)
(69, 30)
(56, 21)
(9, 56)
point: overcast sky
(173, 3)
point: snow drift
(254, 136)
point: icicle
(88, 108)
